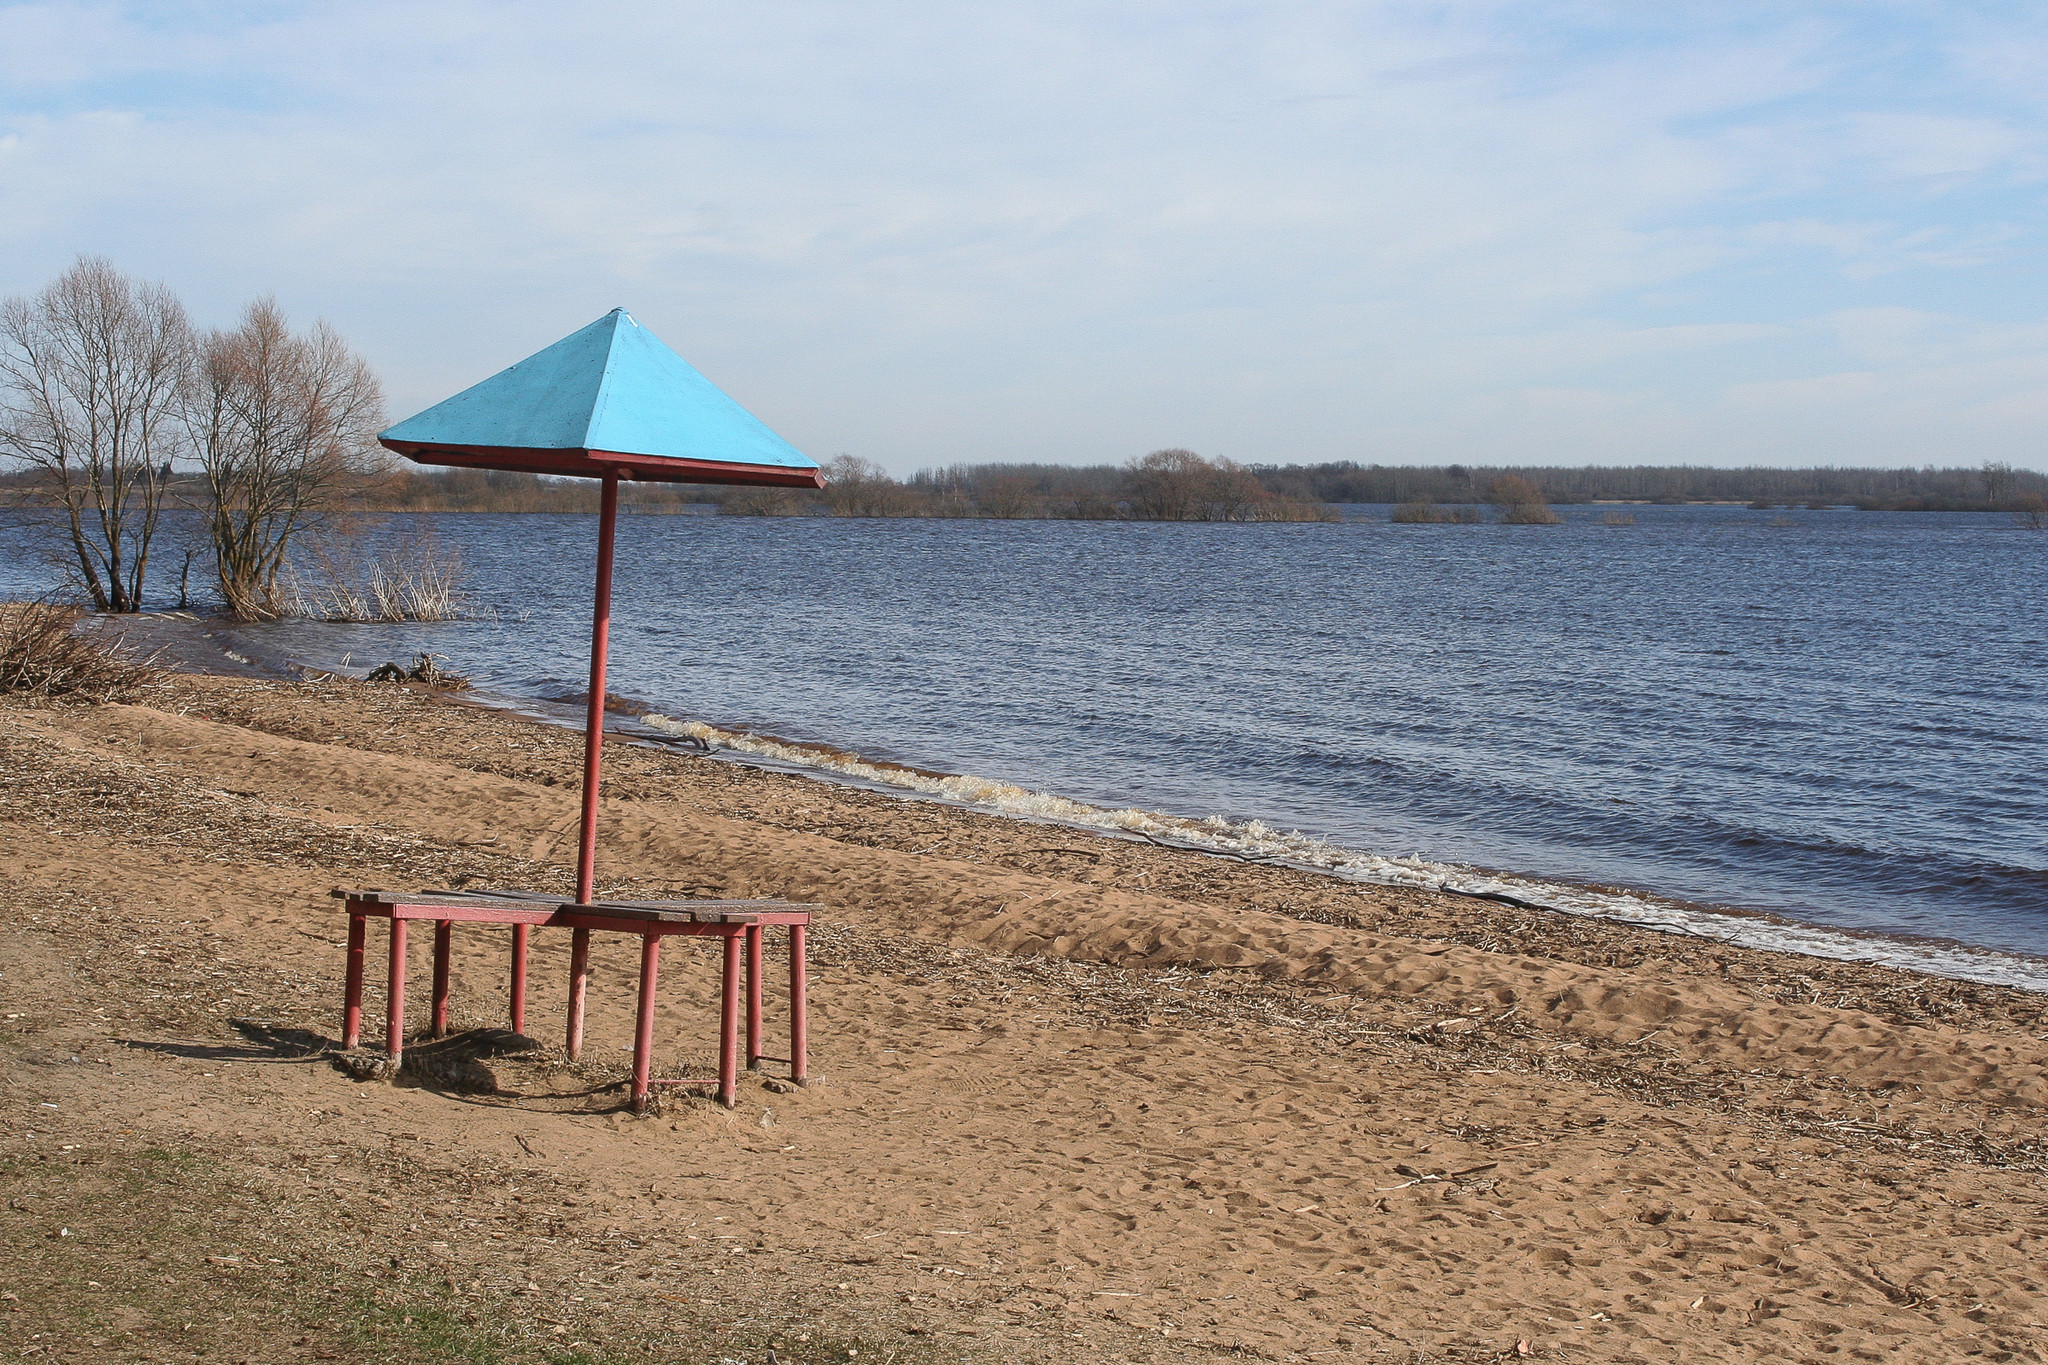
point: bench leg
(394, 1003)
(579, 977)
(643, 1028)
(443, 933)
(753, 997)
(352, 994)
(519, 934)
(799, 1009)
(729, 1024)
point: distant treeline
(1989, 487)
(1167, 485)
(1177, 485)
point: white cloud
(1039, 231)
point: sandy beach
(1077, 1098)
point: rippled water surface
(1837, 716)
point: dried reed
(416, 579)
(45, 653)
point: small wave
(1254, 841)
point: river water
(1831, 719)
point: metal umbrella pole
(593, 754)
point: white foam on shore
(1256, 841)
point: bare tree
(1179, 485)
(90, 371)
(284, 424)
(1235, 494)
(1521, 503)
(1998, 481)
(1170, 485)
(1011, 497)
(861, 488)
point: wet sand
(1079, 1098)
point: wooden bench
(740, 923)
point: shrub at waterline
(1430, 514)
(1521, 503)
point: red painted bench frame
(738, 923)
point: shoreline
(657, 771)
(1737, 926)
(1253, 841)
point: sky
(1499, 233)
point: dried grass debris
(51, 650)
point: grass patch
(157, 1253)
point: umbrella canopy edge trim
(577, 462)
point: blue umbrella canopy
(608, 399)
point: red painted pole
(593, 721)
(799, 1007)
(729, 1024)
(443, 932)
(352, 997)
(643, 1027)
(753, 997)
(519, 937)
(394, 1002)
(593, 758)
(579, 975)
